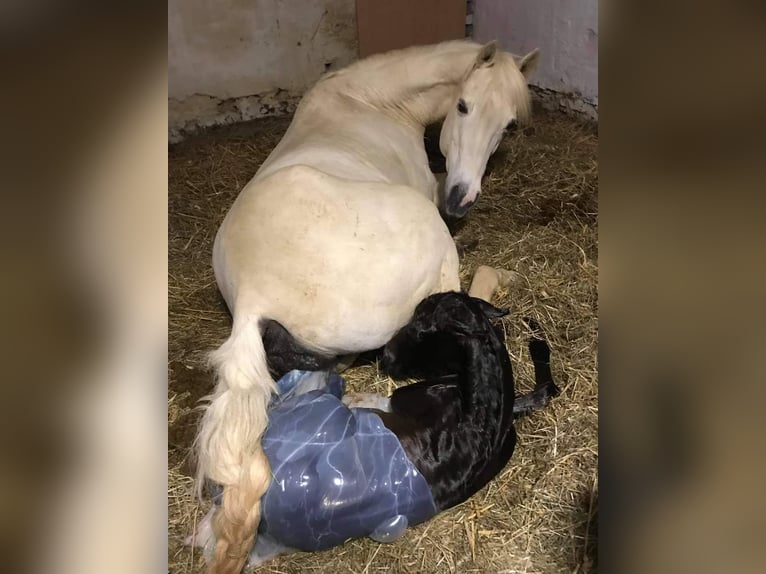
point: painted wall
(232, 60)
(566, 31)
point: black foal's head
(433, 342)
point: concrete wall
(566, 31)
(232, 60)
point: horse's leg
(487, 280)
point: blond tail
(228, 445)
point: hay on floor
(537, 216)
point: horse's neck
(418, 84)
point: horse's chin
(454, 215)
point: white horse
(338, 236)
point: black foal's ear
(490, 310)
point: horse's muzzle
(453, 207)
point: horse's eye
(461, 107)
(511, 125)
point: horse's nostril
(457, 192)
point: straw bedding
(537, 215)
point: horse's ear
(528, 63)
(490, 310)
(486, 54)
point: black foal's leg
(535, 400)
(545, 388)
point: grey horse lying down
(359, 465)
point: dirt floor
(537, 215)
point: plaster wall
(233, 60)
(566, 31)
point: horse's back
(340, 263)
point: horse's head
(433, 342)
(492, 97)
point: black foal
(456, 423)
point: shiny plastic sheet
(338, 473)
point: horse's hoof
(506, 277)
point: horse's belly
(340, 264)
